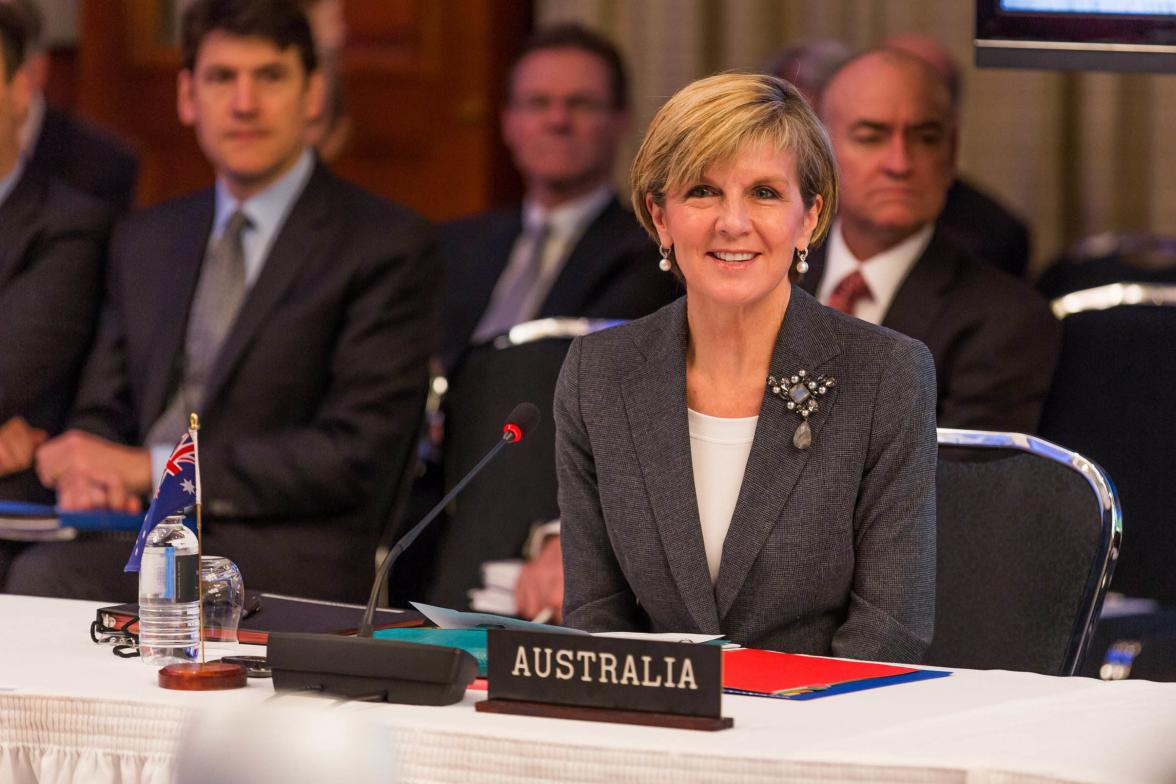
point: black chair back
(392, 495)
(492, 517)
(1103, 259)
(1114, 400)
(1028, 534)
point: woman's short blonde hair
(709, 121)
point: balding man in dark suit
(994, 341)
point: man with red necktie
(994, 341)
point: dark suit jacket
(52, 246)
(88, 159)
(994, 339)
(985, 228)
(830, 549)
(315, 386)
(611, 273)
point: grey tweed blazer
(831, 550)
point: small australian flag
(179, 488)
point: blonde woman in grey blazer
(746, 461)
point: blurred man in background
(52, 243)
(995, 343)
(979, 222)
(291, 310)
(570, 249)
(64, 145)
(330, 132)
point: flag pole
(193, 427)
(191, 676)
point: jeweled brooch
(799, 393)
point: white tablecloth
(71, 711)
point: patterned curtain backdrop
(1075, 153)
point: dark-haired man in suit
(52, 242)
(994, 341)
(570, 249)
(290, 309)
(566, 112)
(64, 145)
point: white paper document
(660, 636)
(455, 619)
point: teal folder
(472, 641)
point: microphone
(388, 670)
(522, 421)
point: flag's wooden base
(580, 713)
(195, 676)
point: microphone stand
(369, 612)
(361, 667)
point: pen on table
(801, 689)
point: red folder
(770, 672)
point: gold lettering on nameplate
(687, 676)
(669, 660)
(608, 664)
(544, 655)
(537, 663)
(563, 665)
(521, 669)
(586, 659)
(629, 676)
(645, 660)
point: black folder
(276, 613)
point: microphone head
(522, 421)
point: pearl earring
(664, 265)
(802, 265)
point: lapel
(182, 261)
(774, 465)
(474, 252)
(304, 236)
(48, 149)
(489, 262)
(655, 404)
(18, 212)
(591, 260)
(918, 300)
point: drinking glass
(223, 598)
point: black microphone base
(356, 667)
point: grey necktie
(506, 307)
(219, 294)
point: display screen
(1096, 35)
(1116, 7)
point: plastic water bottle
(169, 594)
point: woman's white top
(719, 448)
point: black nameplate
(604, 672)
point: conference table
(72, 711)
